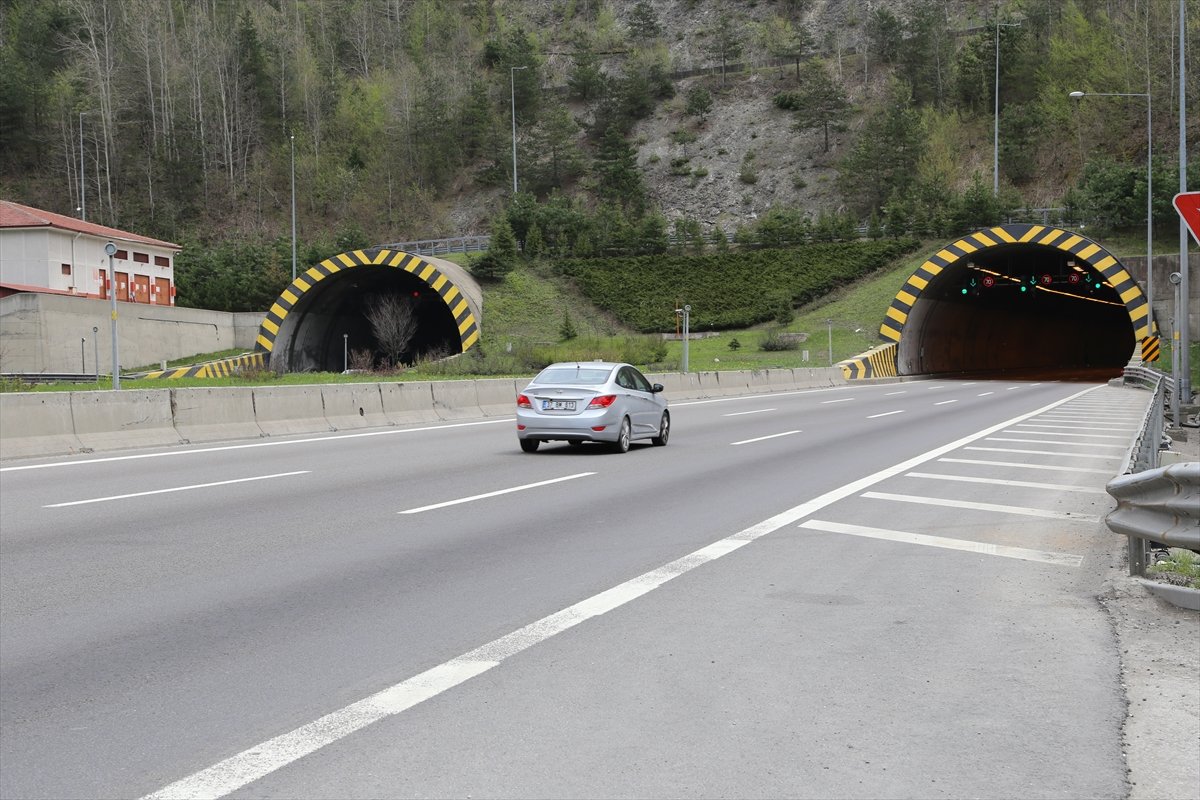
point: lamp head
(110, 249)
(1076, 95)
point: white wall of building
(64, 261)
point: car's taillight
(523, 402)
(603, 401)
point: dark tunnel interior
(1016, 308)
(330, 321)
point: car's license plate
(558, 405)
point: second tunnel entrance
(1017, 297)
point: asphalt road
(868, 591)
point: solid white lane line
(1052, 441)
(1039, 452)
(764, 438)
(966, 504)
(1058, 487)
(497, 493)
(262, 759)
(1062, 559)
(744, 413)
(944, 402)
(177, 489)
(222, 448)
(884, 414)
(839, 400)
(1023, 465)
(985, 394)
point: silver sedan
(592, 401)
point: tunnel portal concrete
(1016, 297)
(322, 313)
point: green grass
(1181, 568)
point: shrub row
(733, 289)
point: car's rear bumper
(579, 428)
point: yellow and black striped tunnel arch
(1017, 295)
(308, 317)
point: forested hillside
(183, 119)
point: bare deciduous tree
(393, 320)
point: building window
(121, 254)
(66, 269)
(141, 258)
(162, 261)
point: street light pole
(1183, 379)
(293, 140)
(1149, 190)
(996, 116)
(512, 96)
(111, 249)
(686, 314)
(829, 324)
(82, 180)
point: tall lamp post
(110, 250)
(1183, 379)
(996, 119)
(1149, 190)
(512, 96)
(293, 138)
(82, 181)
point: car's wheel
(664, 430)
(529, 445)
(623, 437)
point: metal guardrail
(1159, 505)
(1155, 505)
(1144, 454)
(51, 377)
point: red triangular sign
(1188, 206)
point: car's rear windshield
(573, 376)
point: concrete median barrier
(116, 420)
(456, 400)
(214, 415)
(497, 397)
(349, 406)
(408, 403)
(285, 410)
(37, 424)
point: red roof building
(41, 251)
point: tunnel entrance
(322, 317)
(1017, 298)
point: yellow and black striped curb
(468, 328)
(215, 369)
(1082, 248)
(1150, 348)
(878, 363)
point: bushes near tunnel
(733, 289)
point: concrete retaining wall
(43, 333)
(51, 424)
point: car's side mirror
(656, 388)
